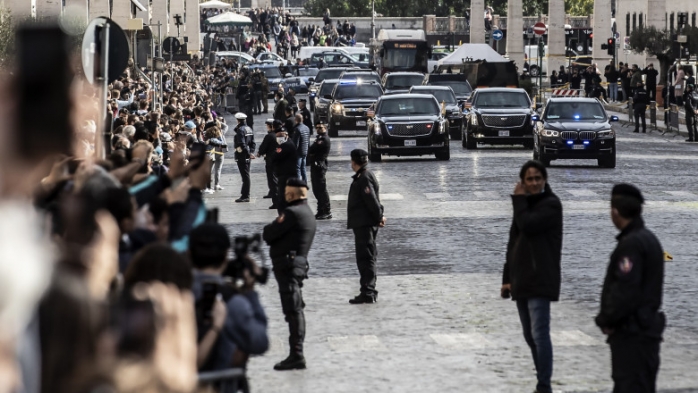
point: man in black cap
(244, 331)
(290, 237)
(632, 297)
(267, 150)
(307, 119)
(364, 217)
(285, 160)
(244, 152)
(640, 102)
(689, 105)
(317, 155)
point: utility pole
(373, 19)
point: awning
(228, 19)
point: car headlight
(337, 108)
(376, 128)
(550, 133)
(473, 119)
(606, 134)
(443, 126)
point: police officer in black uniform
(244, 152)
(364, 217)
(267, 149)
(689, 105)
(285, 158)
(303, 110)
(317, 156)
(640, 102)
(290, 237)
(632, 296)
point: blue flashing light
(347, 82)
(586, 142)
(576, 117)
(390, 127)
(570, 142)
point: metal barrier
(631, 114)
(653, 115)
(231, 380)
(673, 120)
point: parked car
(499, 116)
(271, 58)
(401, 82)
(445, 96)
(408, 125)
(349, 103)
(240, 57)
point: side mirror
(327, 96)
(614, 118)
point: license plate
(410, 142)
(361, 124)
(578, 147)
(503, 133)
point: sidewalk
(618, 109)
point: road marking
(573, 338)
(491, 195)
(346, 344)
(583, 193)
(462, 340)
(681, 194)
(437, 195)
(391, 197)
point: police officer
(290, 237)
(689, 104)
(257, 91)
(365, 216)
(303, 110)
(317, 155)
(640, 102)
(632, 296)
(285, 158)
(268, 149)
(244, 152)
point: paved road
(439, 322)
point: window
(358, 91)
(408, 107)
(577, 111)
(440, 95)
(403, 81)
(502, 100)
(461, 88)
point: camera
(242, 246)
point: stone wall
(363, 25)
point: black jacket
(632, 291)
(651, 76)
(285, 160)
(280, 110)
(364, 207)
(268, 148)
(307, 119)
(293, 230)
(535, 245)
(319, 150)
(244, 142)
(301, 138)
(640, 99)
(689, 103)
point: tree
(654, 42)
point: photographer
(290, 237)
(225, 338)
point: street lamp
(373, 19)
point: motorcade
(349, 103)
(401, 82)
(321, 113)
(360, 75)
(314, 82)
(499, 116)
(451, 110)
(458, 82)
(407, 125)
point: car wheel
(534, 71)
(444, 155)
(373, 157)
(332, 132)
(469, 142)
(608, 162)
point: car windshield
(403, 81)
(358, 91)
(360, 57)
(501, 99)
(458, 87)
(578, 111)
(408, 107)
(441, 95)
(307, 71)
(327, 88)
(271, 72)
(363, 77)
(327, 74)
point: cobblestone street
(439, 323)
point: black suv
(408, 125)
(322, 104)
(575, 128)
(445, 96)
(325, 73)
(360, 76)
(458, 82)
(401, 82)
(349, 103)
(498, 116)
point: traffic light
(611, 46)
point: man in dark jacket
(307, 118)
(364, 217)
(267, 150)
(640, 102)
(632, 297)
(651, 81)
(317, 155)
(284, 165)
(290, 237)
(301, 138)
(532, 269)
(244, 152)
(280, 107)
(689, 105)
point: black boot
(294, 361)
(361, 299)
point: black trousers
(319, 183)
(244, 167)
(652, 92)
(640, 116)
(691, 126)
(257, 102)
(280, 201)
(366, 254)
(272, 182)
(292, 306)
(634, 363)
